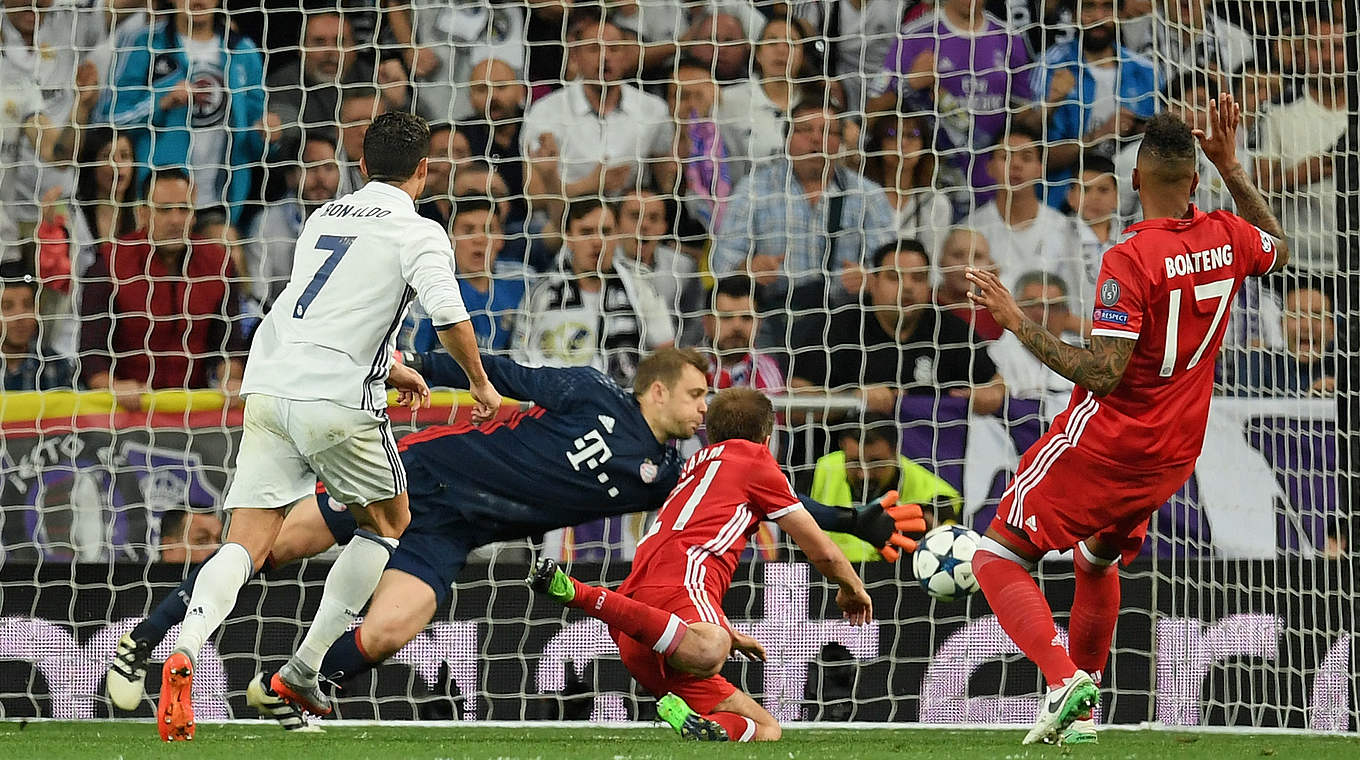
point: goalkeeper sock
(349, 585)
(346, 658)
(222, 577)
(739, 728)
(656, 628)
(1024, 614)
(1095, 609)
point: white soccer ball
(943, 562)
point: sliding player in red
(667, 617)
(1135, 426)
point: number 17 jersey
(1170, 287)
(357, 264)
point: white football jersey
(358, 262)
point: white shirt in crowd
(462, 34)
(1291, 133)
(20, 100)
(924, 218)
(1027, 377)
(638, 128)
(358, 262)
(753, 127)
(1050, 243)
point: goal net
(725, 175)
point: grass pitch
(91, 740)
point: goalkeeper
(586, 449)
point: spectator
(730, 330)
(798, 221)
(1043, 298)
(642, 227)
(359, 106)
(1094, 197)
(212, 226)
(190, 92)
(445, 40)
(856, 35)
(706, 166)
(902, 160)
(492, 296)
(1259, 87)
(591, 312)
(305, 93)
(1183, 34)
(448, 148)
(896, 342)
(28, 367)
(962, 65)
(593, 135)
(1024, 234)
(188, 538)
(143, 326)
(965, 247)
(721, 31)
(721, 41)
(269, 247)
(1188, 97)
(1307, 366)
(1098, 94)
(754, 113)
(1295, 164)
(528, 244)
(868, 465)
(498, 95)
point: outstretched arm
(884, 524)
(1098, 368)
(830, 561)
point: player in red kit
(667, 617)
(1135, 425)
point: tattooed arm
(1098, 368)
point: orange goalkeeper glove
(890, 526)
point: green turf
(91, 740)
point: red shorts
(649, 667)
(1060, 497)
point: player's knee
(381, 638)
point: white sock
(349, 585)
(214, 596)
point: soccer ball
(943, 562)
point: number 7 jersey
(357, 264)
(1169, 287)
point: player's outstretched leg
(660, 630)
(1095, 610)
(688, 723)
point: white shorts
(286, 446)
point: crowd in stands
(794, 186)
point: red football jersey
(1169, 287)
(725, 490)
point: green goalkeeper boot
(686, 722)
(548, 578)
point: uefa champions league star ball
(943, 562)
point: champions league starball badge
(1109, 292)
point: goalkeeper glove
(886, 524)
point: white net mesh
(718, 174)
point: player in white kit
(316, 405)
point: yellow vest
(918, 485)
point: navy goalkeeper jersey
(582, 451)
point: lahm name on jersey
(354, 212)
(1199, 261)
(701, 456)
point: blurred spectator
(445, 40)
(896, 342)
(1295, 162)
(719, 31)
(642, 227)
(212, 226)
(706, 167)
(1097, 94)
(159, 310)
(359, 106)
(1308, 365)
(1044, 23)
(1024, 234)
(1188, 97)
(797, 221)
(105, 200)
(965, 247)
(188, 538)
(498, 96)
(1094, 197)
(593, 136)
(1258, 88)
(962, 65)
(28, 367)
(189, 90)
(856, 35)
(305, 93)
(1183, 34)
(721, 41)
(493, 297)
(867, 466)
(900, 158)
(270, 244)
(527, 243)
(448, 148)
(754, 114)
(730, 330)
(591, 312)
(1043, 298)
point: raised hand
(1220, 145)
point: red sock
(1024, 614)
(1095, 608)
(739, 728)
(658, 629)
